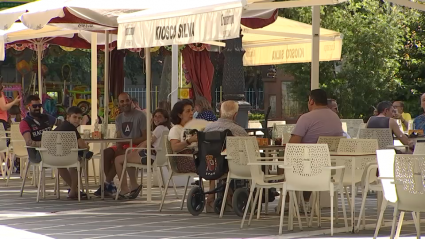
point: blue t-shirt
(207, 115)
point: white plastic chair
(385, 158)
(331, 141)
(237, 160)
(419, 148)
(409, 172)
(353, 126)
(4, 153)
(170, 155)
(17, 143)
(383, 135)
(360, 146)
(308, 168)
(285, 131)
(59, 149)
(275, 122)
(259, 180)
(159, 162)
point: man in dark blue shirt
(33, 125)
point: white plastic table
(103, 143)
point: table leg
(353, 195)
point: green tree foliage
(375, 33)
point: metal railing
(256, 99)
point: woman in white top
(182, 113)
(160, 124)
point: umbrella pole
(316, 48)
(40, 85)
(106, 82)
(94, 77)
(148, 123)
(174, 74)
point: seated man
(74, 116)
(384, 119)
(228, 112)
(320, 121)
(130, 124)
(33, 125)
(401, 115)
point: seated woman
(204, 110)
(160, 124)
(182, 113)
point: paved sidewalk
(90, 219)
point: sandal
(83, 196)
(135, 193)
(123, 196)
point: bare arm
(139, 140)
(82, 144)
(85, 120)
(295, 139)
(398, 134)
(29, 141)
(6, 107)
(177, 145)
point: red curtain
(200, 70)
(116, 72)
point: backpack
(210, 164)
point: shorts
(33, 155)
(144, 157)
(125, 146)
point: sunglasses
(35, 106)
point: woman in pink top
(4, 105)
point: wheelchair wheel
(240, 200)
(217, 205)
(195, 201)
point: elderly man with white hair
(228, 112)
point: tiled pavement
(66, 219)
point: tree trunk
(165, 82)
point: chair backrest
(419, 148)
(353, 126)
(59, 145)
(171, 159)
(237, 156)
(3, 140)
(17, 141)
(160, 158)
(275, 122)
(331, 141)
(257, 174)
(308, 164)
(409, 172)
(360, 146)
(383, 135)
(386, 159)
(366, 146)
(285, 131)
